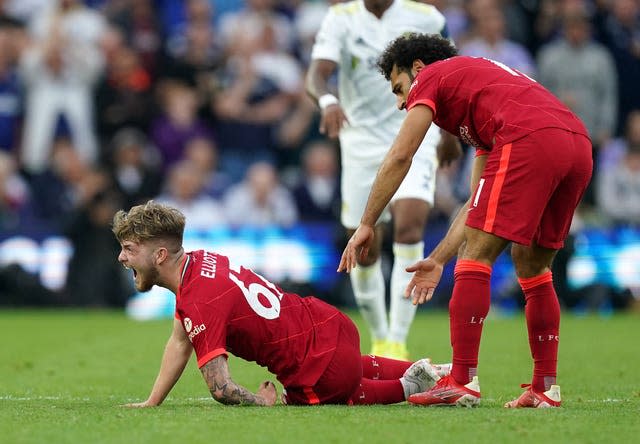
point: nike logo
(447, 394)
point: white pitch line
(85, 399)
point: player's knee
(370, 259)
(527, 263)
(409, 234)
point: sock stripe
(527, 283)
(470, 265)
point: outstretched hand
(358, 246)
(427, 274)
(267, 390)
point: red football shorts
(530, 188)
(341, 377)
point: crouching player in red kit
(222, 307)
(533, 165)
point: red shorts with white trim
(341, 377)
(530, 188)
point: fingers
(346, 261)
(421, 295)
(408, 292)
(135, 405)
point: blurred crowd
(200, 104)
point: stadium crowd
(200, 104)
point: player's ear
(417, 66)
(161, 255)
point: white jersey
(354, 38)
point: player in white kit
(366, 120)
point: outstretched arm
(428, 271)
(175, 359)
(226, 391)
(394, 168)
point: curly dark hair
(405, 49)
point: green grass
(63, 376)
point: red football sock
(468, 309)
(377, 367)
(542, 312)
(375, 391)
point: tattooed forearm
(222, 387)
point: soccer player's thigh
(572, 153)
(356, 181)
(343, 374)
(411, 204)
(514, 189)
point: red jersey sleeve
(206, 328)
(423, 91)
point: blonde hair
(148, 222)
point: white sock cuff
(366, 269)
(410, 252)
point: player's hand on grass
(358, 246)
(426, 276)
(332, 121)
(268, 391)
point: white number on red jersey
(511, 71)
(253, 290)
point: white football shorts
(358, 177)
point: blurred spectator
(124, 94)
(196, 12)
(307, 23)
(10, 87)
(491, 42)
(260, 199)
(95, 278)
(194, 55)
(317, 193)
(515, 19)
(134, 167)
(24, 10)
(60, 71)
(249, 21)
(185, 191)
(621, 34)
(261, 84)
(178, 122)
(142, 28)
(548, 22)
(582, 74)
(14, 194)
(68, 183)
(618, 192)
(203, 153)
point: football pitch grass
(64, 375)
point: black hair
(401, 52)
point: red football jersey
(486, 103)
(224, 308)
